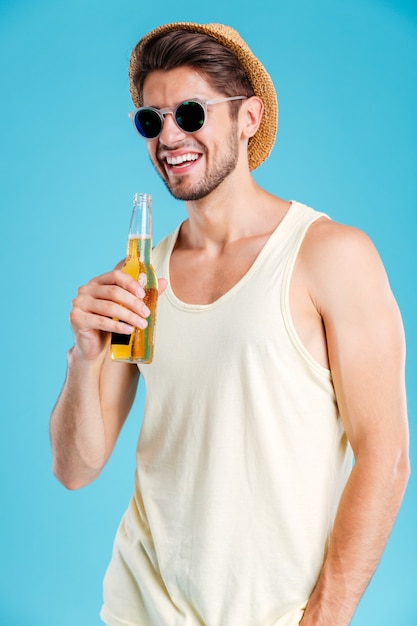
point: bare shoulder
(330, 241)
(340, 265)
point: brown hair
(216, 63)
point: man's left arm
(366, 351)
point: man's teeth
(183, 158)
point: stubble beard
(181, 190)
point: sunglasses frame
(172, 111)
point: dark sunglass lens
(190, 116)
(148, 123)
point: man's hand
(112, 302)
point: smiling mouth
(182, 159)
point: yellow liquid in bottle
(139, 346)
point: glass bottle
(139, 346)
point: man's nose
(170, 131)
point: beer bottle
(138, 347)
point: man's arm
(98, 393)
(349, 288)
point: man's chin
(178, 189)
(187, 195)
(181, 189)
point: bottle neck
(141, 221)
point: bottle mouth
(139, 198)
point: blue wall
(346, 74)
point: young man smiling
(278, 359)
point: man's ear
(251, 114)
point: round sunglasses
(190, 116)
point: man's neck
(232, 212)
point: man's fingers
(120, 279)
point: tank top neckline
(277, 234)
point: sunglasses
(190, 116)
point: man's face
(191, 166)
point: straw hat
(260, 145)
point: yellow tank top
(241, 458)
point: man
(279, 356)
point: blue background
(345, 73)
